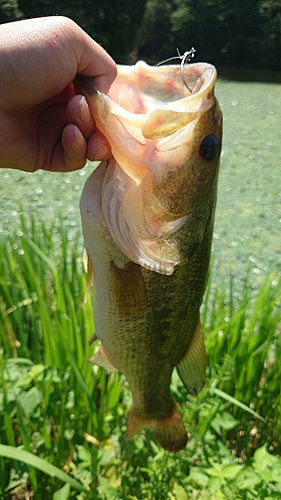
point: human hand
(43, 124)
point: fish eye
(210, 147)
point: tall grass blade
(234, 401)
(40, 464)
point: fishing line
(185, 58)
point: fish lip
(84, 84)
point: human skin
(43, 123)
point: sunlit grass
(57, 407)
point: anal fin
(100, 359)
(192, 367)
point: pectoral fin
(100, 359)
(130, 294)
(192, 367)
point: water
(47, 196)
(248, 217)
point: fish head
(164, 126)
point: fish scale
(147, 217)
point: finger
(97, 63)
(70, 153)
(78, 113)
(98, 147)
(92, 60)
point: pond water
(248, 217)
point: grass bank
(62, 420)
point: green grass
(62, 420)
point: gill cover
(137, 222)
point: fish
(147, 216)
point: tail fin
(169, 432)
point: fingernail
(85, 114)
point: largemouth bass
(147, 217)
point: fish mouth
(140, 88)
(145, 105)
(161, 85)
